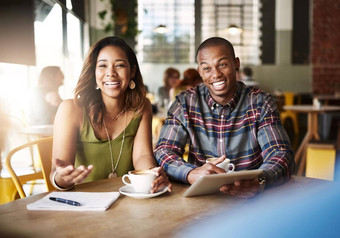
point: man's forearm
(174, 165)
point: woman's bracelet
(56, 185)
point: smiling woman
(113, 71)
(89, 141)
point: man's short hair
(216, 41)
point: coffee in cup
(225, 164)
(140, 180)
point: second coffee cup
(140, 180)
(225, 164)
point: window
(48, 31)
(175, 44)
(57, 41)
(74, 52)
(220, 15)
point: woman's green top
(91, 150)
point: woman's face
(113, 72)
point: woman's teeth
(111, 83)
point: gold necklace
(116, 117)
(114, 168)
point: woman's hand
(67, 175)
(161, 181)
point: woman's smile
(112, 84)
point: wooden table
(312, 129)
(41, 130)
(161, 216)
(327, 97)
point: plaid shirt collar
(232, 103)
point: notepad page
(89, 201)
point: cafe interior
(291, 46)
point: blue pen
(70, 202)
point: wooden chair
(289, 100)
(44, 148)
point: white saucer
(129, 191)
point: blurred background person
(45, 98)
(191, 78)
(171, 78)
(246, 76)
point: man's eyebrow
(223, 58)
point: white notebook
(89, 201)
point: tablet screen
(209, 184)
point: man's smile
(219, 85)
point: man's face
(217, 68)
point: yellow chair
(157, 123)
(320, 162)
(44, 147)
(289, 100)
(8, 192)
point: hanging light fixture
(234, 30)
(161, 29)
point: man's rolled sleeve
(170, 147)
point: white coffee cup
(140, 180)
(225, 164)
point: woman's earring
(97, 87)
(132, 84)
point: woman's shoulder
(70, 104)
(69, 116)
(147, 109)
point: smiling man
(223, 118)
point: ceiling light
(234, 30)
(161, 29)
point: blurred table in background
(329, 122)
(312, 129)
(41, 130)
(327, 97)
(25, 161)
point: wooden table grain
(160, 216)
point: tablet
(208, 184)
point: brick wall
(326, 46)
